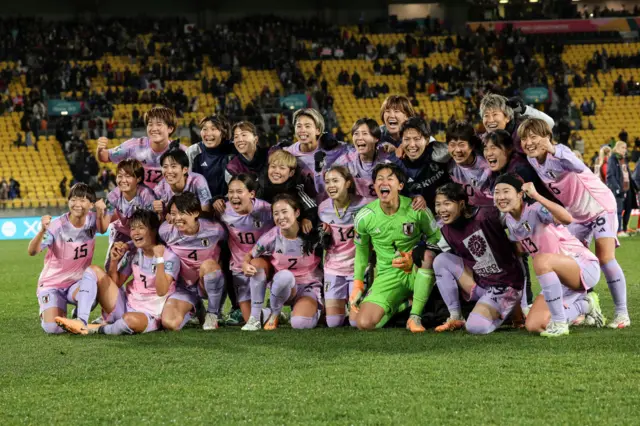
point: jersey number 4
(193, 255)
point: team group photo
(291, 221)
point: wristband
(159, 260)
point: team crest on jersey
(407, 228)
(205, 242)
(45, 299)
(153, 269)
(526, 226)
(90, 233)
(474, 182)
(257, 224)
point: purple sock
(118, 327)
(335, 321)
(214, 284)
(448, 269)
(185, 320)
(479, 324)
(283, 283)
(552, 291)
(577, 308)
(617, 285)
(51, 328)
(258, 286)
(299, 322)
(87, 292)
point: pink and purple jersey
(141, 150)
(196, 183)
(582, 193)
(476, 179)
(307, 161)
(537, 233)
(70, 251)
(246, 230)
(193, 250)
(116, 202)
(142, 294)
(361, 171)
(340, 257)
(287, 254)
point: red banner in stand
(563, 25)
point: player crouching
(154, 268)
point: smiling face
(173, 172)
(506, 198)
(413, 144)
(210, 134)
(461, 151)
(494, 119)
(158, 131)
(183, 221)
(448, 210)
(244, 141)
(533, 147)
(142, 236)
(79, 207)
(496, 156)
(393, 120)
(126, 183)
(306, 130)
(336, 185)
(240, 198)
(284, 215)
(387, 186)
(279, 173)
(364, 141)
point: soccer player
(246, 219)
(66, 277)
(466, 166)
(588, 200)
(154, 268)
(419, 162)
(498, 112)
(251, 158)
(482, 263)
(161, 123)
(296, 262)
(395, 110)
(565, 268)
(361, 161)
(211, 156)
(130, 195)
(177, 179)
(337, 214)
(196, 242)
(394, 228)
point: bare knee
(137, 323)
(365, 322)
(171, 323)
(534, 325)
(209, 266)
(541, 263)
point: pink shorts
(589, 271)
(603, 226)
(122, 307)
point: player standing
(393, 228)
(337, 214)
(295, 259)
(66, 276)
(588, 200)
(246, 219)
(482, 263)
(196, 242)
(565, 268)
(154, 270)
(161, 124)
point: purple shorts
(312, 290)
(502, 299)
(589, 271)
(56, 297)
(241, 285)
(603, 226)
(337, 287)
(122, 307)
(190, 294)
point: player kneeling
(196, 242)
(66, 276)
(482, 263)
(394, 229)
(565, 268)
(293, 254)
(138, 308)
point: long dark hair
(309, 241)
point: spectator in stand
(63, 187)
(577, 143)
(635, 154)
(600, 166)
(18, 141)
(623, 136)
(111, 127)
(14, 188)
(623, 188)
(4, 190)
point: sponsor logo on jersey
(407, 228)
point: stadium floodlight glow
(534, 1)
(64, 112)
(504, 1)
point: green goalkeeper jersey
(405, 228)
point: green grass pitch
(311, 377)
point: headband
(510, 179)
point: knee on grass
(301, 323)
(51, 328)
(335, 321)
(365, 323)
(479, 324)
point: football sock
(214, 284)
(87, 291)
(257, 285)
(118, 327)
(552, 291)
(283, 283)
(617, 285)
(448, 269)
(422, 286)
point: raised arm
(559, 213)
(35, 245)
